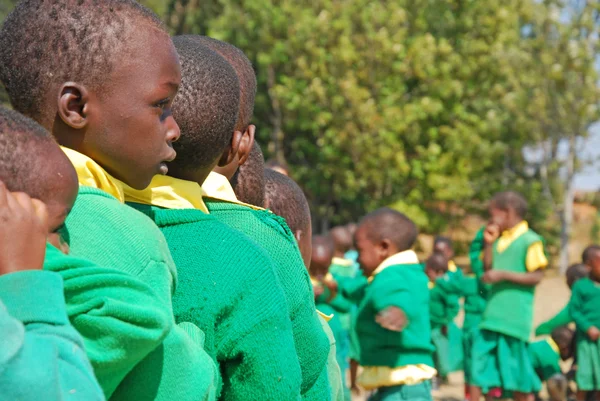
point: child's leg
(523, 397)
(353, 374)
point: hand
(444, 330)
(593, 333)
(23, 231)
(318, 290)
(355, 390)
(493, 276)
(491, 234)
(392, 318)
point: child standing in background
(514, 260)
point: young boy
(272, 234)
(397, 362)
(41, 354)
(573, 274)
(514, 260)
(584, 311)
(227, 285)
(110, 108)
(443, 307)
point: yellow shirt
(217, 186)
(536, 258)
(373, 377)
(168, 192)
(91, 174)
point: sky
(588, 179)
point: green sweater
(443, 304)
(227, 287)
(545, 360)
(272, 234)
(583, 306)
(334, 331)
(562, 318)
(474, 305)
(119, 299)
(41, 354)
(509, 310)
(403, 286)
(340, 304)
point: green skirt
(502, 361)
(441, 353)
(455, 351)
(467, 345)
(588, 363)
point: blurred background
(428, 106)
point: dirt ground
(551, 296)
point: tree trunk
(567, 209)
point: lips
(171, 157)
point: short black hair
(576, 271)
(276, 164)
(437, 262)
(246, 76)
(285, 198)
(24, 145)
(589, 252)
(563, 335)
(206, 106)
(440, 239)
(387, 223)
(47, 42)
(249, 180)
(510, 200)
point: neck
(198, 176)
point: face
(498, 217)
(444, 249)
(130, 128)
(320, 262)
(369, 254)
(595, 266)
(433, 274)
(566, 351)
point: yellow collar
(91, 174)
(511, 234)
(402, 258)
(170, 193)
(553, 345)
(324, 316)
(452, 267)
(217, 186)
(430, 284)
(341, 262)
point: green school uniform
(443, 306)
(273, 235)
(583, 307)
(228, 288)
(474, 305)
(337, 380)
(500, 353)
(353, 290)
(545, 358)
(562, 318)
(41, 354)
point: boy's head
(590, 254)
(241, 143)
(444, 246)
(206, 108)
(576, 272)
(249, 181)
(278, 166)
(381, 234)
(436, 266)
(285, 198)
(342, 240)
(322, 254)
(563, 337)
(100, 76)
(507, 209)
(32, 162)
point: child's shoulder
(584, 285)
(401, 275)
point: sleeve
(452, 307)
(390, 294)
(562, 318)
(120, 318)
(536, 258)
(354, 288)
(576, 307)
(341, 304)
(41, 354)
(475, 253)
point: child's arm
(42, 355)
(562, 318)
(388, 303)
(530, 279)
(575, 309)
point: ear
(246, 144)
(232, 150)
(298, 235)
(384, 248)
(73, 104)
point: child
(272, 234)
(573, 274)
(443, 307)
(227, 286)
(393, 318)
(110, 107)
(514, 263)
(41, 354)
(584, 311)
(546, 356)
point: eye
(163, 104)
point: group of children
(148, 254)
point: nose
(173, 131)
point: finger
(41, 211)
(3, 195)
(25, 202)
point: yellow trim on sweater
(452, 266)
(170, 193)
(536, 258)
(430, 284)
(324, 316)
(91, 174)
(400, 258)
(373, 377)
(341, 262)
(218, 187)
(553, 345)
